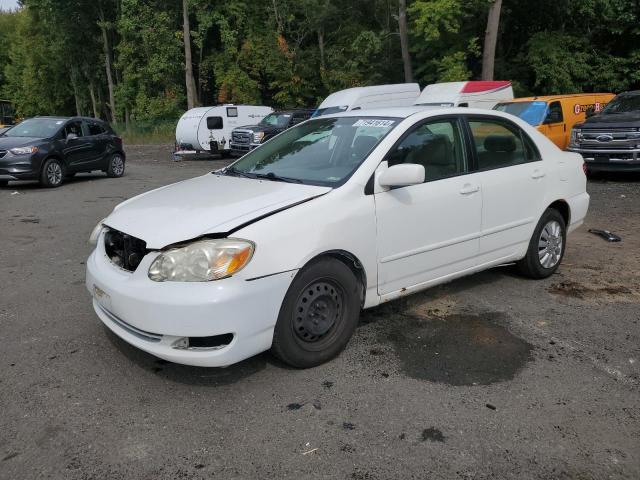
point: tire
(115, 169)
(4, 183)
(52, 174)
(546, 247)
(318, 315)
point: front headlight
(24, 150)
(257, 137)
(95, 233)
(202, 261)
(575, 138)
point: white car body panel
(467, 223)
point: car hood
(12, 142)
(260, 128)
(208, 204)
(613, 120)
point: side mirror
(71, 136)
(402, 175)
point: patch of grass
(147, 133)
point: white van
(377, 96)
(473, 94)
(208, 129)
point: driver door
(428, 231)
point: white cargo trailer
(208, 129)
(472, 94)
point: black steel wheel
(318, 315)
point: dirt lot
(492, 376)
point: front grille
(124, 250)
(241, 137)
(610, 139)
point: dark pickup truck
(610, 141)
(245, 139)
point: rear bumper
(578, 206)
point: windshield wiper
(236, 173)
(276, 178)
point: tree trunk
(323, 65)
(490, 40)
(94, 105)
(107, 65)
(404, 40)
(192, 94)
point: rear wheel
(116, 166)
(318, 315)
(546, 247)
(52, 173)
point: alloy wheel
(550, 244)
(54, 173)
(117, 165)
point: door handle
(537, 174)
(468, 189)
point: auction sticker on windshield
(374, 123)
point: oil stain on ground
(459, 349)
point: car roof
(70, 118)
(296, 110)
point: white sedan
(282, 249)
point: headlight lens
(257, 137)
(575, 136)
(202, 261)
(95, 233)
(24, 150)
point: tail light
(584, 167)
(119, 140)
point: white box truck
(473, 94)
(376, 96)
(208, 129)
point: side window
(232, 111)
(554, 114)
(499, 145)
(438, 146)
(96, 129)
(214, 123)
(73, 127)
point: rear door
(429, 231)
(99, 144)
(513, 180)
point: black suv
(49, 149)
(610, 141)
(244, 139)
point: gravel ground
(491, 376)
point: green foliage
(288, 53)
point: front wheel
(546, 248)
(116, 166)
(318, 315)
(52, 173)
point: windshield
(623, 104)
(325, 151)
(329, 110)
(36, 127)
(276, 119)
(531, 112)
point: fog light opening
(214, 342)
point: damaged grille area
(124, 250)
